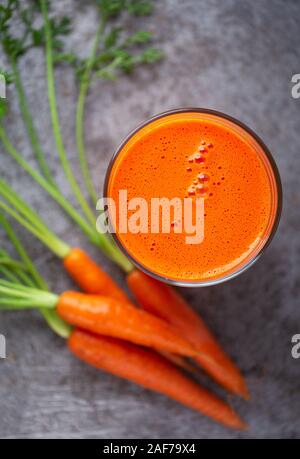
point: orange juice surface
(198, 154)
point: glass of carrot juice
(194, 153)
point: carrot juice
(192, 154)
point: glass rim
(278, 184)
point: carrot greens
(15, 46)
(30, 220)
(78, 264)
(22, 274)
(13, 270)
(96, 238)
(55, 117)
(16, 296)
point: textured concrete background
(234, 56)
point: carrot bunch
(111, 334)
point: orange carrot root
(150, 370)
(90, 277)
(180, 362)
(164, 302)
(107, 316)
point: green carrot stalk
(34, 279)
(8, 274)
(100, 240)
(83, 270)
(46, 237)
(32, 133)
(79, 125)
(53, 242)
(55, 118)
(23, 277)
(24, 297)
(52, 191)
(11, 263)
(105, 63)
(11, 269)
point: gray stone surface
(234, 56)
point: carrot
(89, 276)
(99, 314)
(92, 279)
(163, 301)
(180, 362)
(150, 370)
(107, 316)
(145, 367)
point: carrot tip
(239, 424)
(243, 392)
(239, 388)
(244, 426)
